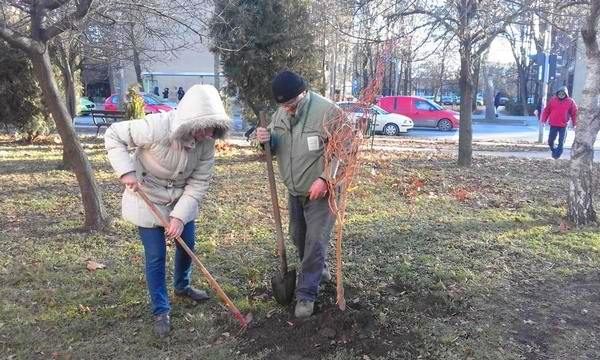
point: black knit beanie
(287, 85)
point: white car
(385, 122)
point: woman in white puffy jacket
(170, 156)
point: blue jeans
(155, 254)
(561, 132)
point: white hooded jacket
(172, 167)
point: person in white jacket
(170, 156)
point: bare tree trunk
(138, 66)
(490, 111)
(343, 92)
(442, 75)
(70, 93)
(476, 70)
(70, 102)
(465, 136)
(217, 71)
(63, 63)
(400, 76)
(96, 216)
(522, 71)
(580, 206)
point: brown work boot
(162, 325)
(194, 294)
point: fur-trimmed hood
(200, 108)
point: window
(379, 110)
(423, 105)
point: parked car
(450, 100)
(385, 122)
(85, 106)
(152, 104)
(433, 99)
(479, 100)
(423, 112)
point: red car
(152, 104)
(424, 113)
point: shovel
(284, 283)
(244, 320)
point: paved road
(527, 133)
(481, 132)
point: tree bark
(465, 136)
(439, 90)
(70, 101)
(137, 65)
(217, 71)
(490, 112)
(68, 76)
(580, 205)
(476, 70)
(96, 216)
(522, 71)
(343, 92)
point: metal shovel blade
(284, 287)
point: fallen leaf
(461, 194)
(93, 266)
(564, 227)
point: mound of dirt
(327, 331)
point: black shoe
(194, 294)
(162, 325)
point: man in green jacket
(297, 137)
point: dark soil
(327, 331)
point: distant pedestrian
(558, 111)
(156, 91)
(166, 93)
(497, 100)
(180, 93)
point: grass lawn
(440, 263)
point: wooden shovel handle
(211, 280)
(274, 200)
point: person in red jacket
(558, 111)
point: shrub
(21, 104)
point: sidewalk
(506, 120)
(544, 154)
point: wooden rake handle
(211, 280)
(274, 200)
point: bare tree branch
(24, 43)
(590, 30)
(70, 21)
(52, 4)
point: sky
(500, 51)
